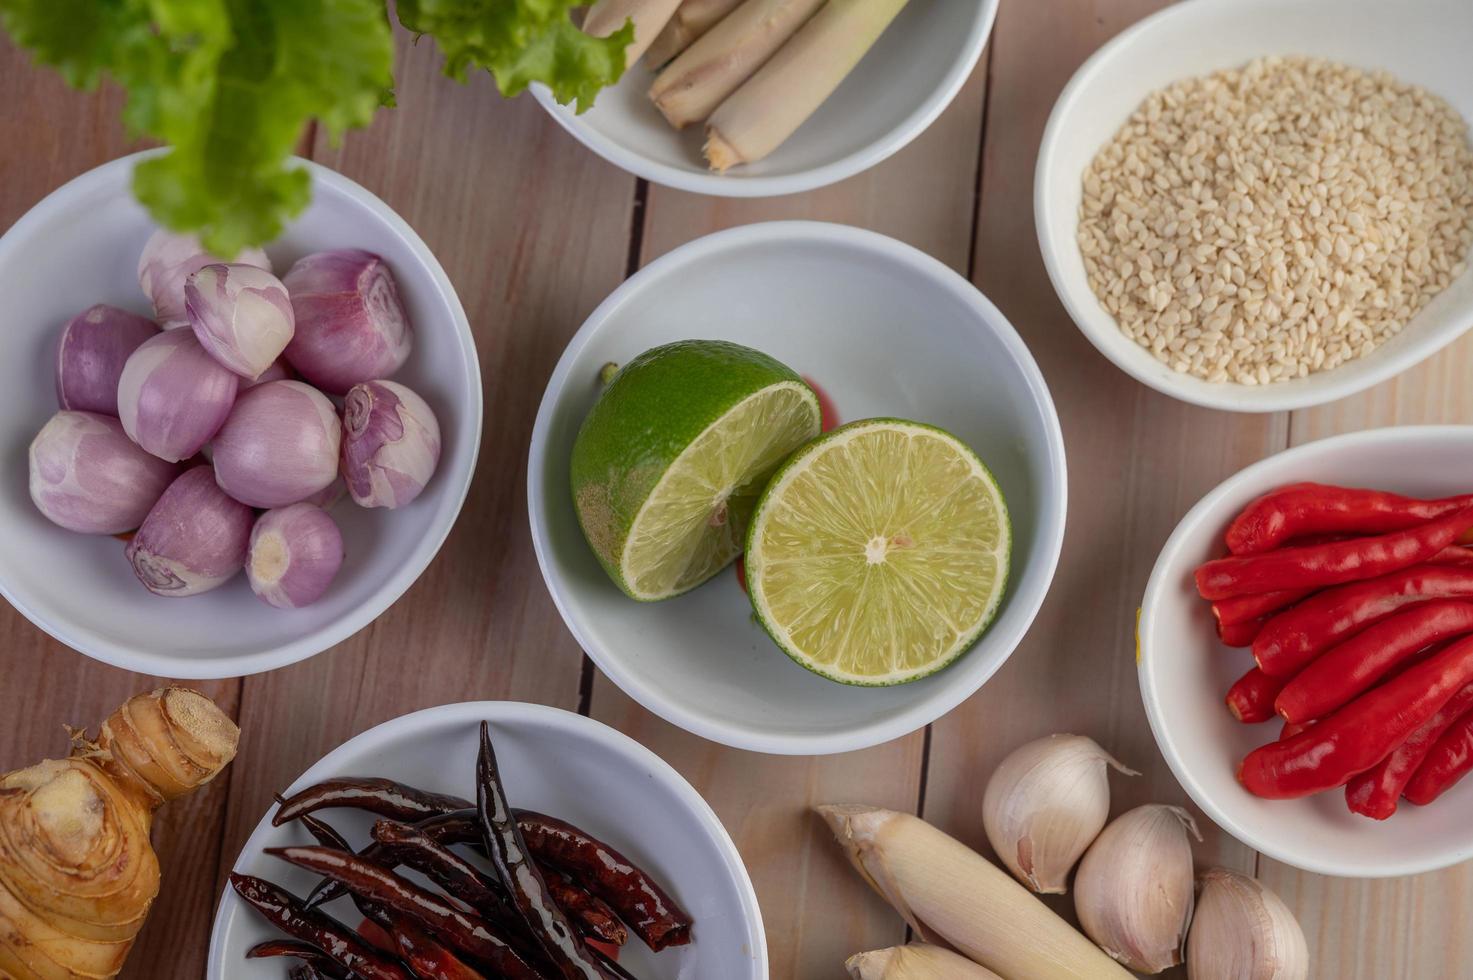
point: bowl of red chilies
(1306, 652)
(489, 839)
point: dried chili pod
(341, 944)
(427, 958)
(310, 956)
(634, 895)
(466, 932)
(523, 881)
(384, 797)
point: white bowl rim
(1226, 396)
(512, 713)
(1051, 517)
(700, 182)
(1158, 583)
(139, 659)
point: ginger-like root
(77, 871)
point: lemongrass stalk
(649, 16)
(715, 66)
(692, 19)
(945, 889)
(918, 961)
(773, 103)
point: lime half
(669, 463)
(879, 553)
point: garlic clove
(917, 961)
(1243, 931)
(1134, 890)
(1045, 803)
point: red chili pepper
(1362, 733)
(1292, 728)
(1315, 508)
(1296, 636)
(1240, 634)
(1343, 671)
(1251, 699)
(1374, 793)
(1321, 565)
(1246, 608)
(1453, 555)
(1449, 760)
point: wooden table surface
(534, 231)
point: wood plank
(49, 684)
(816, 910)
(1137, 461)
(1404, 927)
(533, 235)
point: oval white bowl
(1185, 672)
(80, 246)
(555, 762)
(902, 85)
(1421, 41)
(886, 330)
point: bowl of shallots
(223, 465)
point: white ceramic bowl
(1422, 41)
(1185, 672)
(886, 330)
(902, 85)
(80, 246)
(555, 762)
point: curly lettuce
(520, 42)
(230, 85)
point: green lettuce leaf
(229, 84)
(520, 42)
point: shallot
(278, 371)
(87, 475)
(193, 540)
(391, 444)
(350, 324)
(168, 260)
(279, 445)
(294, 553)
(241, 314)
(173, 396)
(89, 358)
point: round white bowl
(1185, 672)
(902, 85)
(1421, 41)
(555, 762)
(80, 246)
(884, 329)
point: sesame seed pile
(1267, 222)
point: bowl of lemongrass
(213, 471)
(757, 98)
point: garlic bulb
(1134, 888)
(1243, 931)
(918, 961)
(1044, 805)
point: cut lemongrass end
(947, 891)
(771, 105)
(918, 961)
(715, 66)
(691, 19)
(649, 17)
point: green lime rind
(754, 570)
(652, 411)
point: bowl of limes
(797, 488)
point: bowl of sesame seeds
(1262, 205)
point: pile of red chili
(1358, 607)
(556, 903)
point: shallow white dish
(555, 762)
(885, 330)
(80, 246)
(904, 82)
(1421, 41)
(1185, 672)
